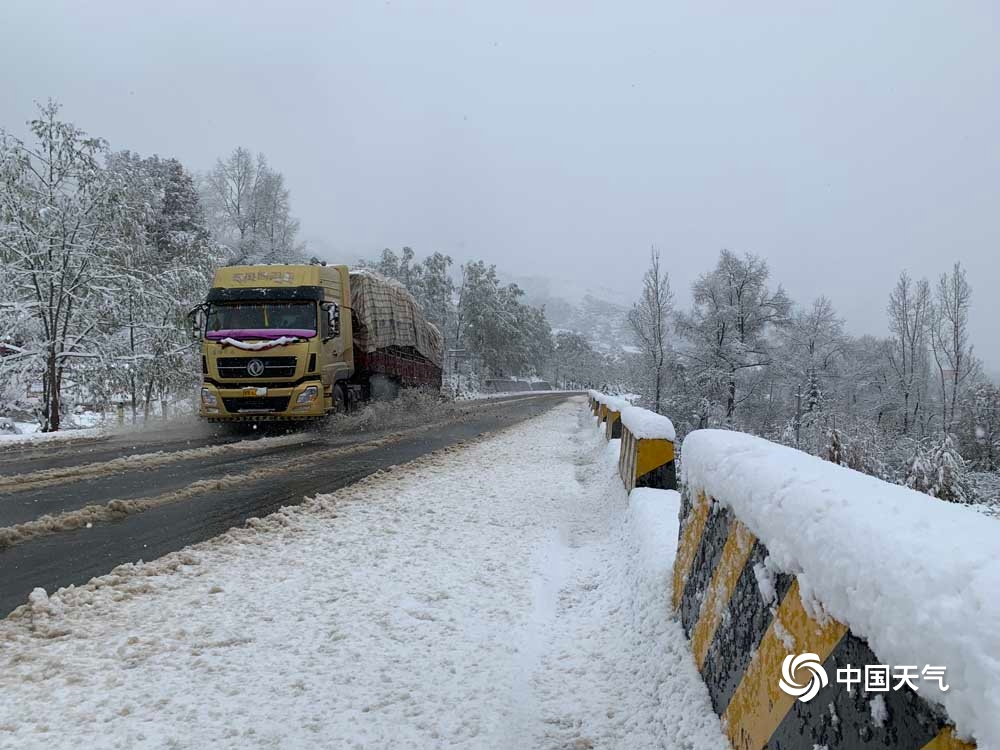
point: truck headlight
(208, 398)
(310, 394)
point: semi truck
(301, 342)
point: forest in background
(104, 252)
(912, 407)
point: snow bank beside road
(495, 595)
(918, 578)
(29, 434)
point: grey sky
(842, 143)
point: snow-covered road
(502, 594)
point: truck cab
(276, 343)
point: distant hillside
(599, 314)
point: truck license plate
(255, 391)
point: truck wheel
(339, 400)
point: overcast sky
(842, 143)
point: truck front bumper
(295, 403)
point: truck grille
(239, 367)
(237, 405)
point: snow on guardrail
(916, 578)
(614, 403)
(646, 451)
(648, 425)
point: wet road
(145, 494)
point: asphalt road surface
(73, 510)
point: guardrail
(789, 582)
(646, 455)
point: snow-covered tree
(494, 325)
(979, 428)
(949, 338)
(164, 263)
(727, 330)
(910, 309)
(939, 471)
(535, 341)
(856, 446)
(400, 267)
(57, 220)
(576, 363)
(251, 210)
(835, 450)
(650, 322)
(19, 365)
(810, 349)
(437, 290)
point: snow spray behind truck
(298, 342)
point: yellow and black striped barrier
(592, 398)
(646, 462)
(613, 425)
(741, 631)
(608, 410)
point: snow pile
(616, 404)
(45, 614)
(27, 432)
(648, 425)
(501, 594)
(917, 577)
(616, 654)
(150, 460)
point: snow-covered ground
(504, 594)
(88, 423)
(27, 432)
(80, 425)
(487, 395)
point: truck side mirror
(333, 320)
(196, 321)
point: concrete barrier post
(595, 401)
(745, 619)
(646, 458)
(613, 427)
(646, 462)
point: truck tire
(339, 400)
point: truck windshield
(266, 320)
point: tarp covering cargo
(386, 315)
